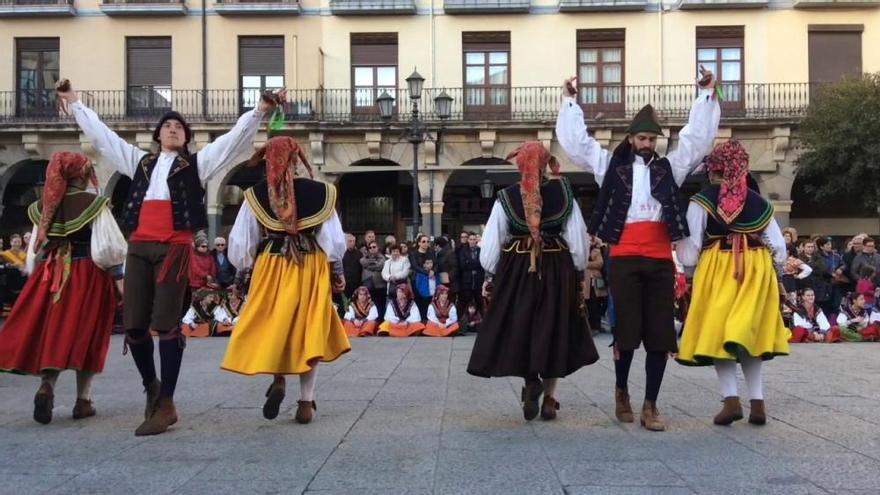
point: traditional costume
(64, 317)
(402, 317)
(638, 213)
(206, 315)
(442, 316)
(535, 250)
(165, 205)
(288, 230)
(811, 325)
(360, 319)
(734, 314)
(856, 323)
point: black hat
(172, 115)
(645, 121)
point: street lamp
(487, 187)
(415, 132)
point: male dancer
(164, 207)
(639, 214)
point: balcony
(722, 4)
(257, 7)
(37, 8)
(601, 5)
(486, 6)
(143, 7)
(830, 4)
(533, 105)
(372, 7)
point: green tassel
(719, 93)
(276, 121)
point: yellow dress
(726, 315)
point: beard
(646, 153)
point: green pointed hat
(645, 121)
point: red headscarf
(732, 161)
(64, 167)
(531, 159)
(361, 311)
(441, 309)
(282, 153)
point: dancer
(361, 318)
(288, 230)
(402, 317)
(536, 245)
(734, 314)
(442, 316)
(165, 205)
(64, 316)
(638, 213)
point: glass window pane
(587, 74)
(588, 95)
(588, 56)
(498, 74)
(50, 60)
(475, 97)
(250, 97)
(363, 76)
(475, 76)
(250, 81)
(475, 58)
(612, 94)
(274, 82)
(386, 76)
(498, 58)
(612, 73)
(707, 54)
(731, 71)
(612, 55)
(498, 96)
(731, 53)
(28, 62)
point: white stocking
(751, 367)
(726, 371)
(84, 384)
(307, 383)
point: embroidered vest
(558, 202)
(187, 194)
(73, 219)
(753, 219)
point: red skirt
(72, 333)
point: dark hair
(821, 241)
(867, 271)
(172, 115)
(14, 236)
(392, 247)
(441, 242)
(471, 233)
(867, 240)
(427, 260)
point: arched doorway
(22, 184)
(376, 197)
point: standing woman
(289, 226)
(536, 245)
(65, 314)
(734, 314)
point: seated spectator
(201, 318)
(427, 281)
(396, 269)
(810, 322)
(472, 319)
(442, 316)
(866, 287)
(361, 319)
(16, 255)
(402, 318)
(855, 321)
(794, 270)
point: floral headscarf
(732, 161)
(361, 311)
(64, 167)
(848, 308)
(442, 310)
(402, 312)
(282, 153)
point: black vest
(615, 197)
(187, 194)
(315, 202)
(753, 219)
(558, 201)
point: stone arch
(377, 197)
(20, 185)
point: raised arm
(494, 238)
(696, 138)
(244, 238)
(123, 156)
(230, 146)
(571, 131)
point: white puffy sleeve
(822, 320)
(414, 315)
(221, 315)
(575, 234)
(432, 315)
(373, 315)
(227, 148)
(244, 238)
(688, 249)
(773, 234)
(122, 155)
(331, 238)
(494, 237)
(800, 321)
(453, 316)
(30, 260)
(584, 151)
(190, 317)
(389, 314)
(108, 244)
(349, 313)
(696, 138)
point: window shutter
(720, 36)
(149, 61)
(261, 55)
(589, 38)
(374, 49)
(485, 41)
(37, 43)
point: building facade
(501, 61)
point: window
(373, 69)
(835, 51)
(600, 72)
(148, 75)
(487, 74)
(260, 67)
(37, 63)
(720, 49)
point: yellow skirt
(289, 322)
(726, 316)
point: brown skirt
(534, 326)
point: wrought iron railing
(518, 104)
(8, 3)
(140, 2)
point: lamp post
(415, 132)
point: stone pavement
(402, 416)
